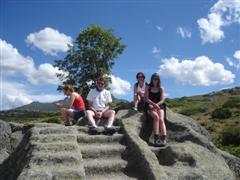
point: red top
(78, 103)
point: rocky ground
(51, 151)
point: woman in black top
(154, 105)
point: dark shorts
(78, 113)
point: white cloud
(15, 94)
(237, 55)
(119, 86)
(156, 50)
(200, 71)
(45, 74)
(15, 64)
(184, 32)
(223, 13)
(229, 61)
(210, 29)
(236, 61)
(49, 40)
(159, 28)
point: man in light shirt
(98, 101)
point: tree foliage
(92, 55)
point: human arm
(161, 98)
(134, 92)
(58, 105)
(71, 100)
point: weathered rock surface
(189, 154)
(51, 151)
(5, 144)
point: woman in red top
(75, 108)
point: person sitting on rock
(139, 90)
(75, 108)
(98, 100)
(154, 107)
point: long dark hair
(155, 75)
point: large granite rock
(5, 142)
(190, 154)
(51, 151)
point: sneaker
(163, 140)
(157, 140)
(78, 123)
(67, 123)
(109, 131)
(94, 130)
(135, 109)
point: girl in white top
(139, 89)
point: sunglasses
(155, 79)
(140, 77)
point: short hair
(140, 73)
(101, 78)
(68, 87)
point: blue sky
(193, 45)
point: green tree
(92, 55)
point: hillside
(43, 107)
(50, 107)
(218, 112)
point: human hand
(98, 114)
(150, 106)
(59, 105)
(156, 106)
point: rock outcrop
(5, 144)
(189, 154)
(51, 151)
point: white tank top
(141, 89)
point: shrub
(231, 135)
(191, 110)
(55, 120)
(231, 149)
(221, 113)
(234, 102)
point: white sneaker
(135, 109)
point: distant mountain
(49, 107)
(44, 107)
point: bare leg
(66, 114)
(110, 114)
(155, 117)
(162, 125)
(90, 114)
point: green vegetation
(221, 113)
(233, 102)
(231, 135)
(218, 112)
(91, 56)
(30, 117)
(192, 109)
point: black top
(154, 96)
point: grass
(30, 117)
(218, 112)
